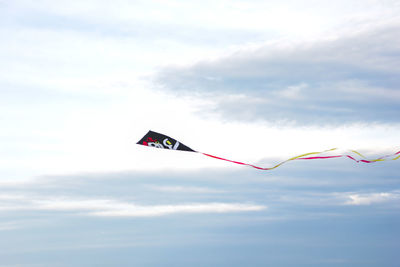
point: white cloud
(372, 198)
(159, 210)
(337, 199)
(115, 208)
(186, 189)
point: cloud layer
(113, 207)
(112, 215)
(348, 78)
(142, 194)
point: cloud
(116, 208)
(54, 197)
(332, 199)
(158, 210)
(186, 189)
(350, 78)
(296, 191)
(372, 198)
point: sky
(254, 81)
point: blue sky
(255, 81)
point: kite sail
(162, 141)
(158, 140)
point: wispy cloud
(185, 189)
(372, 198)
(117, 208)
(159, 210)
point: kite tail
(307, 156)
(237, 162)
(154, 139)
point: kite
(158, 140)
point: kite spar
(158, 140)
